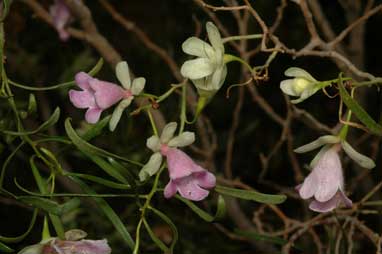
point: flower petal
(345, 200)
(205, 179)
(184, 139)
(196, 47)
(106, 93)
(138, 85)
(287, 87)
(299, 73)
(92, 115)
(317, 157)
(329, 175)
(82, 99)
(214, 37)
(180, 165)
(151, 167)
(32, 249)
(218, 77)
(189, 189)
(327, 139)
(117, 113)
(170, 189)
(360, 159)
(309, 186)
(323, 207)
(82, 80)
(197, 68)
(168, 132)
(153, 143)
(123, 74)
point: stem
(183, 109)
(155, 130)
(376, 81)
(230, 58)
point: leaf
(45, 204)
(32, 104)
(220, 211)
(251, 195)
(109, 212)
(361, 114)
(89, 148)
(102, 181)
(47, 124)
(108, 168)
(5, 248)
(5, 11)
(19, 238)
(96, 129)
(155, 239)
(166, 219)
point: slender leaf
(96, 129)
(155, 239)
(251, 195)
(361, 114)
(166, 219)
(45, 204)
(5, 248)
(109, 212)
(89, 148)
(47, 124)
(220, 211)
(102, 181)
(19, 238)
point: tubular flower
(186, 177)
(98, 95)
(303, 85)
(208, 71)
(61, 16)
(325, 184)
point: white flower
(208, 71)
(165, 141)
(302, 85)
(132, 89)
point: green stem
(376, 81)
(153, 126)
(242, 37)
(183, 112)
(230, 58)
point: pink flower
(61, 17)
(96, 95)
(186, 177)
(75, 247)
(325, 183)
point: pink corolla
(61, 16)
(325, 184)
(98, 95)
(186, 177)
(76, 247)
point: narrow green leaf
(109, 212)
(102, 181)
(45, 204)
(220, 211)
(47, 124)
(5, 248)
(96, 129)
(19, 238)
(108, 168)
(32, 104)
(361, 114)
(174, 230)
(251, 195)
(6, 7)
(155, 239)
(39, 180)
(89, 148)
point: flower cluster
(98, 95)
(325, 184)
(186, 177)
